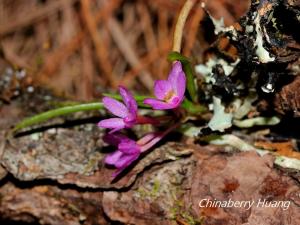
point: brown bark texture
(58, 177)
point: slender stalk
(147, 120)
(138, 98)
(188, 5)
(144, 140)
(157, 138)
(55, 113)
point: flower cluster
(169, 95)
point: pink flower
(169, 93)
(126, 114)
(128, 150)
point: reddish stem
(147, 120)
(157, 138)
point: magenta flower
(169, 93)
(128, 150)
(126, 114)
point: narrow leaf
(192, 107)
(39, 118)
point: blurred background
(79, 48)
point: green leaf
(39, 118)
(71, 108)
(191, 86)
(192, 107)
(173, 56)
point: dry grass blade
(36, 14)
(85, 81)
(146, 25)
(192, 30)
(144, 62)
(100, 45)
(127, 50)
(56, 58)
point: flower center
(130, 120)
(169, 96)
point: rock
(173, 192)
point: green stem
(75, 107)
(138, 98)
(55, 113)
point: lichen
(178, 212)
(206, 70)
(152, 194)
(220, 120)
(262, 54)
(261, 121)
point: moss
(153, 193)
(179, 211)
(186, 217)
(155, 188)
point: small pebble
(35, 136)
(30, 89)
(51, 131)
(20, 74)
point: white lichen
(262, 54)
(249, 29)
(243, 107)
(287, 162)
(220, 120)
(221, 28)
(237, 143)
(257, 121)
(206, 70)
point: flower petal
(129, 100)
(130, 120)
(129, 146)
(177, 79)
(123, 163)
(180, 86)
(125, 160)
(113, 123)
(175, 101)
(157, 104)
(112, 159)
(115, 107)
(162, 88)
(114, 139)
